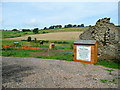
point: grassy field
(52, 36)
(74, 29)
(63, 51)
(63, 45)
(12, 34)
(62, 48)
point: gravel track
(48, 73)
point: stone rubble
(108, 37)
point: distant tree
(45, 28)
(69, 25)
(35, 40)
(15, 30)
(26, 30)
(65, 26)
(89, 25)
(29, 39)
(51, 27)
(82, 25)
(35, 30)
(60, 26)
(79, 26)
(74, 25)
(117, 25)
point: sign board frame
(93, 51)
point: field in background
(52, 36)
(73, 29)
(13, 34)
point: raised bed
(22, 47)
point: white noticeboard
(84, 53)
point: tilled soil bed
(48, 73)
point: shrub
(7, 48)
(29, 39)
(71, 46)
(35, 40)
(64, 42)
(35, 30)
(43, 32)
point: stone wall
(108, 37)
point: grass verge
(62, 51)
(108, 64)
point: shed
(86, 51)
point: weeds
(103, 80)
(110, 70)
(108, 64)
(114, 81)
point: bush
(35, 31)
(43, 32)
(7, 48)
(35, 40)
(29, 39)
(64, 42)
(25, 33)
(71, 46)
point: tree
(79, 26)
(45, 28)
(26, 30)
(65, 26)
(82, 25)
(29, 39)
(14, 30)
(74, 25)
(69, 25)
(89, 25)
(60, 26)
(35, 30)
(51, 27)
(35, 39)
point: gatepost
(86, 51)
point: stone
(108, 37)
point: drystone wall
(108, 37)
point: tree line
(35, 30)
(60, 26)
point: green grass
(26, 53)
(15, 53)
(114, 81)
(48, 54)
(58, 56)
(109, 70)
(64, 30)
(108, 64)
(12, 34)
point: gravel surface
(48, 73)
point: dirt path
(48, 73)
(51, 36)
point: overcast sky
(40, 14)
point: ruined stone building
(108, 37)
